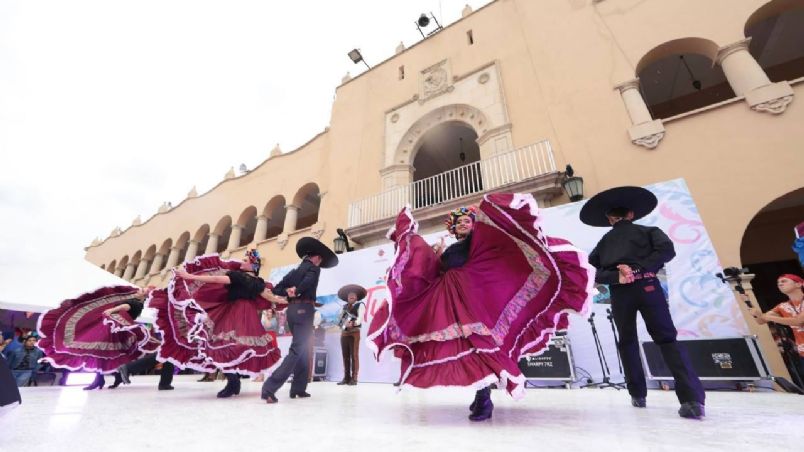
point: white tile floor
(374, 417)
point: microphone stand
(616, 340)
(604, 365)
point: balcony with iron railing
(530, 169)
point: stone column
(747, 78)
(261, 230)
(119, 272)
(234, 237)
(396, 180)
(291, 215)
(495, 141)
(129, 272)
(141, 268)
(494, 168)
(644, 130)
(212, 243)
(173, 258)
(159, 259)
(192, 250)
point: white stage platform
(374, 417)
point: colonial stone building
(627, 92)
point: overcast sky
(109, 108)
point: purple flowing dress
(469, 326)
(78, 336)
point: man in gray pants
(299, 286)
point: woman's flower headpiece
(254, 258)
(452, 218)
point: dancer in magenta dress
(209, 319)
(467, 317)
(96, 332)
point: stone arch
(274, 212)
(766, 246)
(183, 239)
(223, 229)
(149, 255)
(201, 237)
(112, 266)
(135, 262)
(201, 233)
(124, 262)
(308, 200)
(247, 221)
(181, 245)
(222, 224)
(680, 76)
(776, 30)
(769, 10)
(164, 249)
(467, 114)
(247, 214)
(445, 164)
(150, 252)
(694, 45)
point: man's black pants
(647, 298)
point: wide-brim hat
(360, 291)
(637, 199)
(309, 246)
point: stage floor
(374, 417)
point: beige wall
(561, 60)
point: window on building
(401, 72)
(470, 37)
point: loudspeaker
(319, 362)
(728, 358)
(554, 364)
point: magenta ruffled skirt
(470, 326)
(78, 336)
(203, 330)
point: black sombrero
(343, 292)
(637, 199)
(309, 246)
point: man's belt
(300, 301)
(644, 275)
